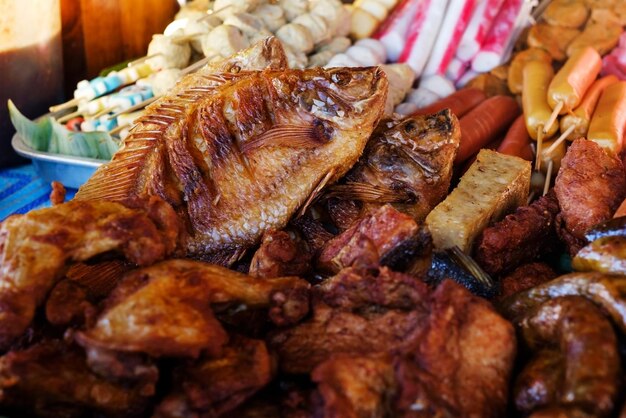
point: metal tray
(71, 171)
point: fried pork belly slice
(590, 186)
(214, 387)
(466, 355)
(37, 248)
(50, 379)
(386, 237)
(355, 387)
(167, 309)
(282, 253)
(355, 312)
(587, 343)
(525, 277)
(520, 237)
(407, 163)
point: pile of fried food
(263, 245)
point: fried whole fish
(240, 154)
(408, 163)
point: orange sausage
(517, 142)
(483, 124)
(572, 81)
(459, 103)
(581, 116)
(608, 123)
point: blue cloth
(22, 190)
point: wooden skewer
(69, 116)
(70, 103)
(539, 154)
(543, 5)
(546, 185)
(118, 129)
(138, 106)
(185, 38)
(196, 65)
(553, 116)
(562, 138)
(212, 12)
(530, 198)
(103, 112)
(142, 59)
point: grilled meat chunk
(520, 237)
(281, 253)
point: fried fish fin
(99, 279)
(364, 192)
(295, 136)
(317, 192)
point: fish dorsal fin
(365, 192)
(310, 135)
(117, 179)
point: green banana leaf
(35, 134)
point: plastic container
(31, 63)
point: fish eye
(410, 126)
(235, 69)
(341, 78)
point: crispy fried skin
(580, 331)
(166, 309)
(386, 237)
(525, 277)
(51, 379)
(281, 254)
(36, 248)
(386, 309)
(355, 387)
(520, 237)
(590, 186)
(466, 356)
(213, 387)
(68, 303)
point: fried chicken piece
(355, 312)
(167, 309)
(68, 303)
(554, 39)
(213, 387)
(589, 187)
(355, 387)
(466, 353)
(281, 254)
(519, 238)
(386, 237)
(601, 32)
(36, 248)
(57, 195)
(580, 331)
(525, 277)
(566, 13)
(51, 379)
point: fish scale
(237, 154)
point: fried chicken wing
(51, 379)
(36, 248)
(525, 277)
(167, 309)
(589, 186)
(520, 237)
(213, 387)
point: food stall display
(384, 209)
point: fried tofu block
(494, 185)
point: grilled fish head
(343, 96)
(407, 162)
